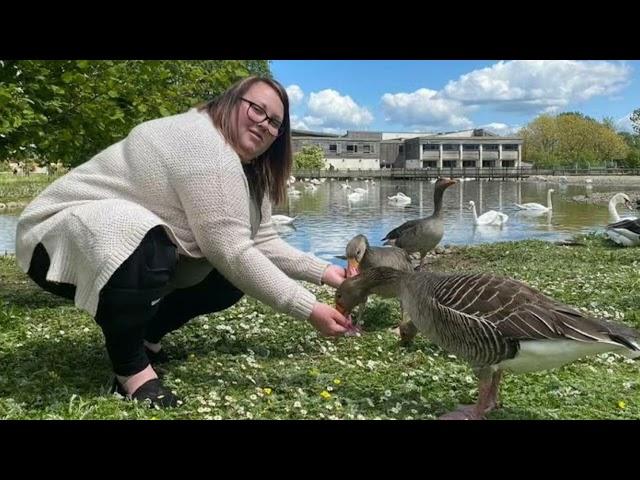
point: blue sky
(446, 95)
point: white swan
(400, 199)
(537, 206)
(615, 200)
(361, 190)
(292, 192)
(282, 219)
(624, 231)
(488, 218)
(355, 196)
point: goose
(292, 192)
(361, 256)
(282, 219)
(614, 201)
(423, 234)
(488, 218)
(494, 323)
(361, 190)
(537, 206)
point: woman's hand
(334, 275)
(328, 321)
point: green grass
(22, 189)
(250, 362)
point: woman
(173, 222)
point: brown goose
(495, 323)
(361, 256)
(424, 234)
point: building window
(490, 147)
(470, 147)
(429, 164)
(509, 147)
(468, 163)
(351, 148)
(430, 146)
(333, 148)
(488, 163)
(449, 146)
(509, 163)
(449, 164)
(366, 149)
(401, 149)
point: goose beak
(628, 204)
(352, 268)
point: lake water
(327, 219)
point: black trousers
(136, 304)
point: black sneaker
(156, 358)
(152, 390)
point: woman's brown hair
(269, 171)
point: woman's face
(256, 132)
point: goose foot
(464, 412)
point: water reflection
(327, 219)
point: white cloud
(330, 109)
(295, 93)
(624, 123)
(297, 123)
(501, 128)
(423, 108)
(538, 85)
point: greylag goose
(361, 256)
(495, 323)
(424, 234)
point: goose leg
(407, 330)
(487, 398)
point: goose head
(383, 281)
(355, 250)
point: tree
(635, 120)
(633, 142)
(70, 110)
(311, 157)
(571, 139)
(610, 123)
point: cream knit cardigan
(178, 172)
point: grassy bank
(22, 189)
(250, 362)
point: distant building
(372, 150)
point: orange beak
(352, 268)
(341, 309)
